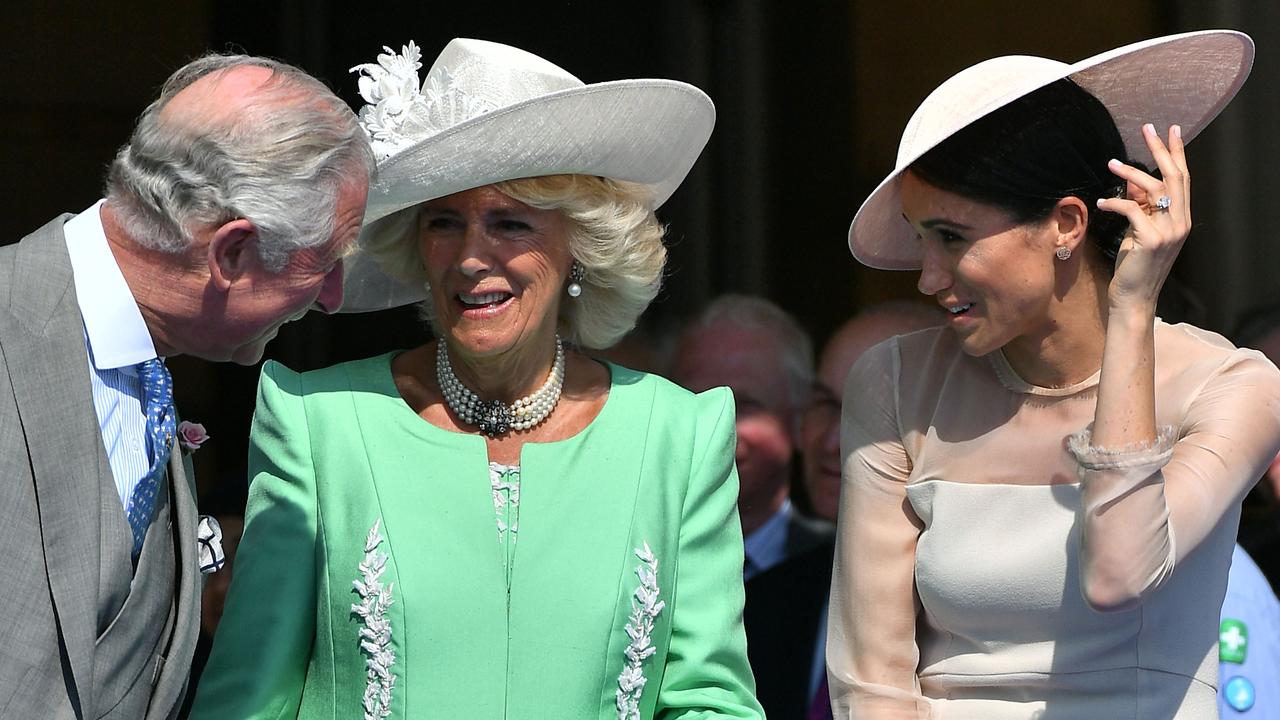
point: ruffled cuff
(1154, 454)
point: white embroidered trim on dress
(496, 473)
(375, 636)
(645, 607)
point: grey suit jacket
(52, 466)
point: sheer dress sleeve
(872, 654)
(1146, 508)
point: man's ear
(233, 250)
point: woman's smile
(479, 306)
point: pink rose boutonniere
(191, 435)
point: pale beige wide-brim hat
(1181, 79)
(487, 113)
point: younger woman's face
(993, 276)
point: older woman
(1040, 500)
(494, 525)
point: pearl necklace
(494, 417)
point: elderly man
(759, 352)
(226, 215)
(820, 437)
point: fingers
(1137, 194)
(1139, 186)
(1173, 166)
(1145, 230)
(1175, 179)
(1177, 149)
(1134, 212)
(1138, 180)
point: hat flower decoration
(398, 113)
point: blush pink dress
(973, 501)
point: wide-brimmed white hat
(1181, 79)
(487, 113)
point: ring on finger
(1163, 202)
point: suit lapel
(49, 372)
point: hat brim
(1184, 79)
(642, 131)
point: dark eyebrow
(942, 222)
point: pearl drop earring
(576, 275)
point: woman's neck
(1068, 349)
(509, 375)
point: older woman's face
(497, 269)
(993, 276)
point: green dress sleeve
(707, 674)
(263, 644)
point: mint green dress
(388, 571)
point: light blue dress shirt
(767, 546)
(1249, 644)
(116, 339)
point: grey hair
(613, 234)
(280, 163)
(756, 313)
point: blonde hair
(613, 234)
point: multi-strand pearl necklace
(494, 417)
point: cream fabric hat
(1185, 79)
(488, 112)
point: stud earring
(576, 274)
(1063, 252)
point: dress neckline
(1014, 382)
(418, 425)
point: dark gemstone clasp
(495, 418)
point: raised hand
(1159, 213)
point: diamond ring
(1163, 202)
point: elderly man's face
(749, 362)
(312, 278)
(244, 303)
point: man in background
(766, 359)
(820, 429)
(820, 440)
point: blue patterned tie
(157, 399)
